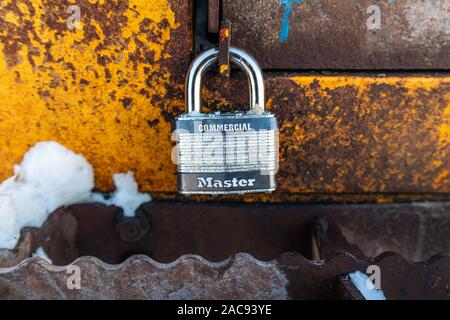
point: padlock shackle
(239, 57)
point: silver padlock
(226, 153)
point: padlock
(226, 153)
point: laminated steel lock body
(226, 153)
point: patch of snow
(51, 176)
(126, 196)
(362, 282)
(41, 254)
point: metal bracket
(224, 49)
(217, 25)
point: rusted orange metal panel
(356, 134)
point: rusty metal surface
(345, 289)
(343, 138)
(57, 237)
(190, 277)
(214, 15)
(240, 277)
(327, 239)
(400, 279)
(108, 89)
(324, 34)
(354, 134)
(178, 234)
(224, 49)
(217, 231)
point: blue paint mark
(288, 4)
(287, 13)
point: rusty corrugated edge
(239, 277)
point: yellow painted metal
(91, 88)
(399, 109)
(365, 137)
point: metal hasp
(226, 153)
(214, 15)
(224, 49)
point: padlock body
(231, 153)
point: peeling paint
(92, 89)
(353, 138)
(111, 89)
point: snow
(41, 254)
(66, 177)
(51, 176)
(362, 282)
(126, 195)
